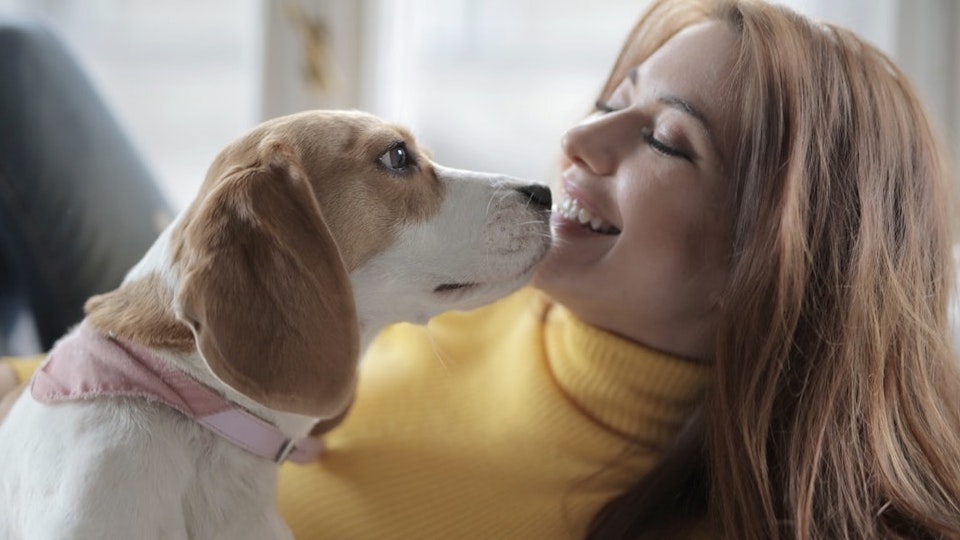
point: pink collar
(88, 365)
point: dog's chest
(129, 467)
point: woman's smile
(573, 210)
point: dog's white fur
(125, 468)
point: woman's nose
(595, 145)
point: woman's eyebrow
(682, 105)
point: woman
(741, 330)
(833, 410)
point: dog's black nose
(537, 194)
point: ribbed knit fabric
(516, 420)
(513, 421)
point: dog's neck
(293, 426)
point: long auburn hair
(835, 412)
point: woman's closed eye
(663, 148)
(658, 145)
(604, 107)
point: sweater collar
(633, 390)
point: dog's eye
(397, 158)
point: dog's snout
(537, 194)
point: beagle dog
(165, 413)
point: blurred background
(486, 84)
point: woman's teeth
(572, 210)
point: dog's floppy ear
(265, 291)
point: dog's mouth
(451, 287)
(456, 290)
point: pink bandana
(88, 365)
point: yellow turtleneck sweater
(516, 420)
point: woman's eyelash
(659, 146)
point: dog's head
(309, 229)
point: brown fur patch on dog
(140, 311)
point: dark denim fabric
(78, 207)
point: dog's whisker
(436, 349)
(489, 204)
(534, 222)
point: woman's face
(647, 174)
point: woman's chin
(555, 274)
(538, 278)
(572, 262)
